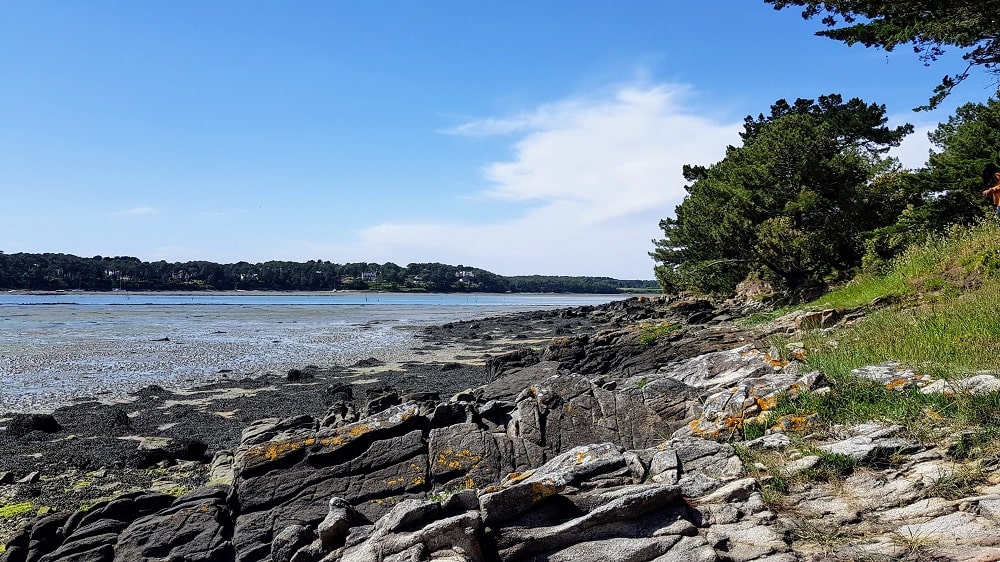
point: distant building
(369, 276)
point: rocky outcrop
(137, 526)
(610, 446)
(509, 463)
(588, 503)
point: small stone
(770, 441)
(31, 478)
(799, 465)
(338, 521)
(464, 396)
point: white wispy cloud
(135, 212)
(593, 176)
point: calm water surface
(58, 347)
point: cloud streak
(592, 175)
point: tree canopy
(49, 272)
(948, 190)
(792, 204)
(927, 25)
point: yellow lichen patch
(774, 361)
(515, 477)
(395, 481)
(274, 450)
(333, 440)
(543, 489)
(581, 457)
(456, 460)
(418, 481)
(358, 430)
(491, 489)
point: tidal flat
(56, 350)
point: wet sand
(54, 355)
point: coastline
(55, 355)
(165, 439)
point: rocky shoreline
(595, 433)
(163, 440)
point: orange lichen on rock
(543, 489)
(515, 477)
(795, 423)
(456, 460)
(898, 383)
(711, 432)
(767, 402)
(777, 362)
(273, 450)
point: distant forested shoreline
(54, 272)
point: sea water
(56, 348)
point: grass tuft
(649, 333)
(16, 509)
(960, 483)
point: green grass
(776, 483)
(861, 291)
(961, 483)
(649, 333)
(926, 417)
(944, 339)
(945, 323)
(950, 262)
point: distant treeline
(53, 272)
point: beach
(145, 431)
(57, 349)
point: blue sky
(519, 137)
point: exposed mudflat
(158, 439)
